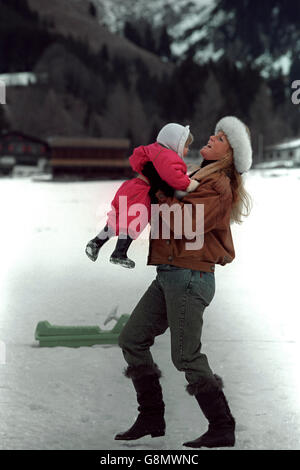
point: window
(19, 148)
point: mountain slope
(78, 23)
(264, 32)
(179, 16)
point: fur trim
(135, 372)
(192, 186)
(239, 140)
(220, 165)
(205, 385)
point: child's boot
(119, 256)
(94, 245)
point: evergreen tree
(164, 47)
(4, 125)
(295, 69)
(92, 10)
(149, 42)
(266, 125)
(130, 32)
(250, 29)
(208, 109)
(279, 89)
(104, 53)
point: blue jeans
(176, 299)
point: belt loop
(200, 273)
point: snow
(291, 144)
(268, 63)
(179, 17)
(275, 164)
(114, 14)
(64, 398)
(20, 78)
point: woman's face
(216, 148)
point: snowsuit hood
(174, 137)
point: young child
(159, 166)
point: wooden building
(17, 148)
(286, 153)
(90, 157)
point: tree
(92, 10)
(131, 33)
(3, 120)
(164, 46)
(295, 68)
(149, 42)
(248, 29)
(207, 111)
(265, 122)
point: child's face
(186, 150)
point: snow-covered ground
(64, 398)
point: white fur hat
(239, 140)
(174, 136)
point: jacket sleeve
(172, 170)
(216, 206)
(155, 180)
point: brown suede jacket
(214, 192)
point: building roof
(87, 142)
(108, 162)
(32, 138)
(18, 79)
(289, 144)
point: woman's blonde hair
(241, 199)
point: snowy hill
(71, 18)
(179, 16)
(193, 28)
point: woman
(185, 286)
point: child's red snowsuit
(171, 169)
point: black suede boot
(150, 420)
(93, 247)
(119, 256)
(214, 406)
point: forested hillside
(94, 82)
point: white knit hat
(239, 140)
(174, 136)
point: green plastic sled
(75, 336)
